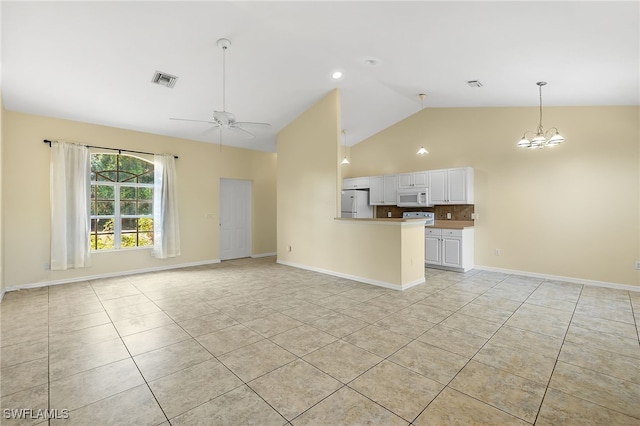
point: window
(121, 202)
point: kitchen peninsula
(388, 252)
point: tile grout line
(229, 369)
(553, 370)
(130, 356)
(343, 385)
(472, 356)
(590, 369)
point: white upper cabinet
(409, 180)
(356, 183)
(460, 186)
(451, 186)
(421, 179)
(438, 186)
(383, 190)
(446, 186)
(376, 190)
(390, 189)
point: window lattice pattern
(121, 202)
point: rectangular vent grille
(164, 79)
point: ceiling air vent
(164, 79)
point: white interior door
(235, 218)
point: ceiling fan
(224, 119)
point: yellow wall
(2, 285)
(568, 211)
(199, 169)
(309, 185)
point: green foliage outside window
(121, 202)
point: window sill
(122, 249)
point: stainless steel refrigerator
(355, 204)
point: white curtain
(166, 232)
(70, 193)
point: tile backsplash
(458, 211)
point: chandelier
(541, 138)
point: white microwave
(413, 197)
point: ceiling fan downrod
(224, 44)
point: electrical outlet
(448, 215)
(497, 252)
(638, 264)
(289, 248)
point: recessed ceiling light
(336, 75)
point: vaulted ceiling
(94, 61)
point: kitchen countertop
(380, 219)
(453, 224)
(442, 224)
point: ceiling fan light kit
(224, 119)
(541, 139)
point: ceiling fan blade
(252, 124)
(197, 121)
(242, 131)
(209, 130)
(225, 119)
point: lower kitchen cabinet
(449, 248)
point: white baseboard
(109, 275)
(2, 294)
(255, 256)
(354, 277)
(561, 278)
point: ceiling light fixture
(336, 75)
(422, 150)
(541, 138)
(345, 160)
(474, 83)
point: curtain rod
(112, 149)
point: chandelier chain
(540, 123)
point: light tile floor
(253, 342)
